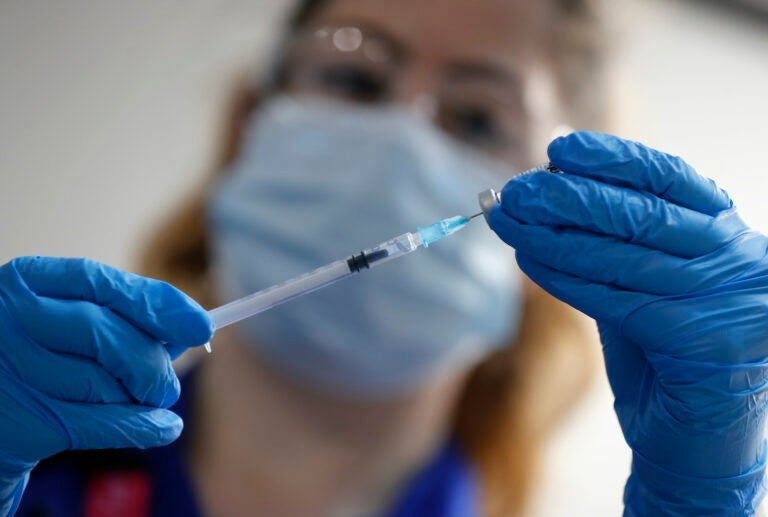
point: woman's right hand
(85, 361)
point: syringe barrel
(392, 249)
(314, 280)
(278, 294)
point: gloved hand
(678, 285)
(81, 362)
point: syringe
(399, 246)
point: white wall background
(695, 84)
(108, 112)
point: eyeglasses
(476, 104)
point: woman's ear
(243, 101)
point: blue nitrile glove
(678, 285)
(81, 361)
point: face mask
(318, 181)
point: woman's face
(478, 68)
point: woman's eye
(354, 83)
(474, 125)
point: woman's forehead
(498, 31)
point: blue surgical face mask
(317, 181)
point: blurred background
(109, 113)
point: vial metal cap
(488, 199)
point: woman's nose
(417, 90)
(424, 104)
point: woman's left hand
(678, 285)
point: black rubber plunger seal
(363, 261)
(357, 262)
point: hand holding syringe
(401, 245)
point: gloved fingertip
(554, 150)
(508, 191)
(168, 427)
(172, 393)
(198, 331)
(200, 327)
(527, 195)
(564, 147)
(175, 351)
(189, 323)
(721, 200)
(581, 150)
